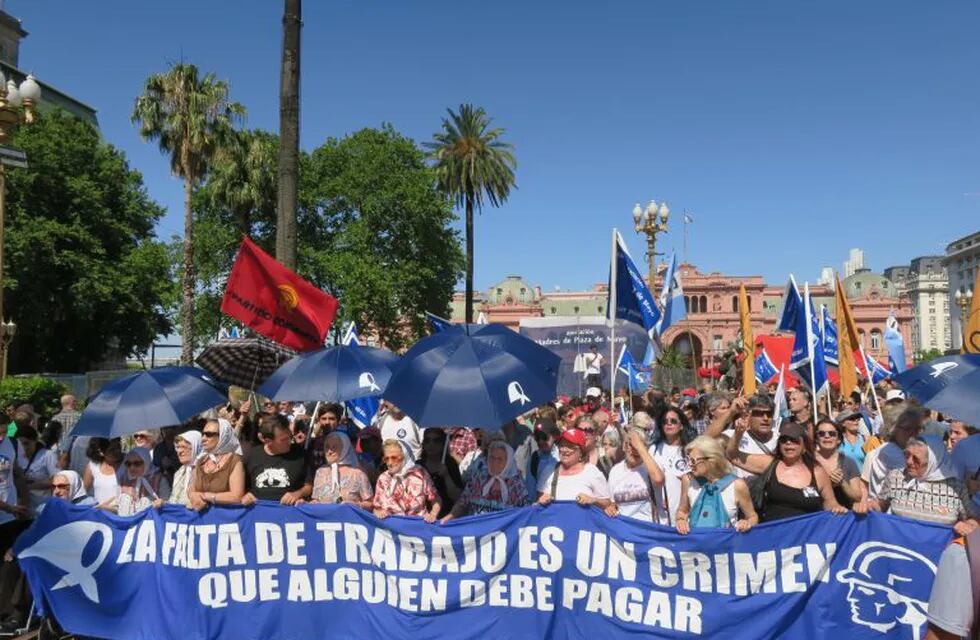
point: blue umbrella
(950, 385)
(154, 398)
(333, 374)
(479, 376)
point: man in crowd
(67, 418)
(760, 437)
(800, 403)
(395, 425)
(279, 469)
(593, 367)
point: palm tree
(286, 223)
(190, 117)
(243, 180)
(472, 162)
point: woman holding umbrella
(219, 477)
(404, 488)
(574, 478)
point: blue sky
(791, 131)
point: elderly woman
(634, 480)
(574, 478)
(140, 483)
(711, 496)
(188, 447)
(844, 474)
(68, 485)
(404, 488)
(790, 482)
(39, 464)
(219, 475)
(612, 449)
(926, 489)
(341, 479)
(497, 487)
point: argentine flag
(671, 298)
(361, 410)
(765, 370)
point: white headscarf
(141, 483)
(940, 465)
(348, 458)
(510, 470)
(193, 439)
(76, 489)
(408, 463)
(227, 442)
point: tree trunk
(469, 261)
(187, 286)
(288, 134)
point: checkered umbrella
(244, 362)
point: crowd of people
(683, 459)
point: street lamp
(16, 108)
(645, 222)
(963, 301)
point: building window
(861, 337)
(704, 304)
(734, 304)
(875, 340)
(576, 310)
(554, 309)
(748, 300)
(687, 304)
(717, 344)
(599, 308)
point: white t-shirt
(750, 446)
(405, 430)
(589, 481)
(42, 466)
(878, 463)
(630, 489)
(593, 363)
(673, 461)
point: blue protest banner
(562, 571)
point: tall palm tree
(190, 117)
(244, 177)
(286, 224)
(471, 163)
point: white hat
(894, 394)
(593, 392)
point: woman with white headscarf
(140, 483)
(68, 485)
(341, 479)
(219, 475)
(495, 487)
(928, 488)
(404, 488)
(188, 447)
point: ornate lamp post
(963, 301)
(16, 108)
(645, 222)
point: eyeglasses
(209, 434)
(134, 463)
(60, 486)
(696, 461)
(826, 434)
(584, 430)
(671, 421)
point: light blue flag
(807, 359)
(634, 303)
(623, 418)
(672, 298)
(361, 410)
(829, 330)
(792, 307)
(638, 379)
(765, 369)
(895, 345)
(438, 324)
(875, 370)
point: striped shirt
(940, 501)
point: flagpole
(807, 310)
(871, 383)
(611, 311)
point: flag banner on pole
(561, 572)
(748, 342)
(792, 307)
(671, 298)
(633, 300)
(276, 302)
(765, 369)
(829, 334)
(807, 360)
(638, 379)
(875, 370)
(895, 345)
(779, 402)
(848, 341)
(361, 410)
(438, 324)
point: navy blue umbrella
(950, 385)
(149, 399)
(478, 376)
(333, 374)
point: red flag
(276, 302)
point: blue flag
(672, 298)
(765, 369)
(895, 345)
(438, 324)
(792, 307)
(829, 330)
(634, 303)
(361, 410)
(875, 370)
(807, 360)
(636, 377)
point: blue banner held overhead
(558, 572)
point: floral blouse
(354, 486)
(405, 496)
(476, 502)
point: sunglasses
(60, 486)
(785, 439)
(141, 436)
(826, 434)
(760, 413)
(672, 421)
(209, 434)
(391, 458)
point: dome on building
(864, 283)
(513, 290)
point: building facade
(962, 260)
(854, 262)
(925, 282)
(712, 302)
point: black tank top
(783, 501)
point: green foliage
(44, 394)
(374, 230)
(85, 278)
(926, 356)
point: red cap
(689, 392)
(574, 436)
